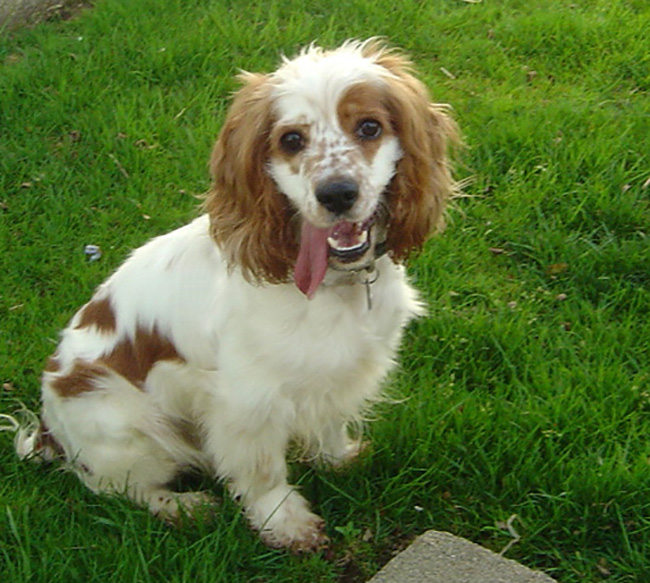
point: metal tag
(368, 293)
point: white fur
(264, 365)
(307, 91)
(260, 365)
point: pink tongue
(311, 264)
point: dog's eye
(369, 129)
(292, 142)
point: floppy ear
(423, 181)
(249, 217)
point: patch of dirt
(15, 14)
(358, 562)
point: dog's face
(324, 160)
(333, 153)
(335, 169)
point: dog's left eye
(369, 129)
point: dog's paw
(175, 507)
(306, 535)
(283, 518)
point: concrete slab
(440, 557)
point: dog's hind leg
(117, 441)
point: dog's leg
(117, 442)
(283, 519)
(137, 467)
(335, 446)
(141, 470)
(250, 456)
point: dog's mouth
(345, 246)
(349, 242)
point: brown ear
(249, 217)
(423, 181)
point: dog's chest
(336, 332)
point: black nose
(337, 196)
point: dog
(272, 318)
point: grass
(526, 391)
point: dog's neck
(365, 275)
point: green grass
(526, 391)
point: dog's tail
(32, 439)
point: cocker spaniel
(272, 318)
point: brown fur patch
(53, 364)
(423, 181)
(359, 103)
(81, 379)
(98, 313)
(249, 218)
(134, 358)
(130, 358)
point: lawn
(527, 389)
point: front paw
(305, 535)
(283, 519)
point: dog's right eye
(292, 142)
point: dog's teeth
(334, 244)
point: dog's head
(328, 161)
